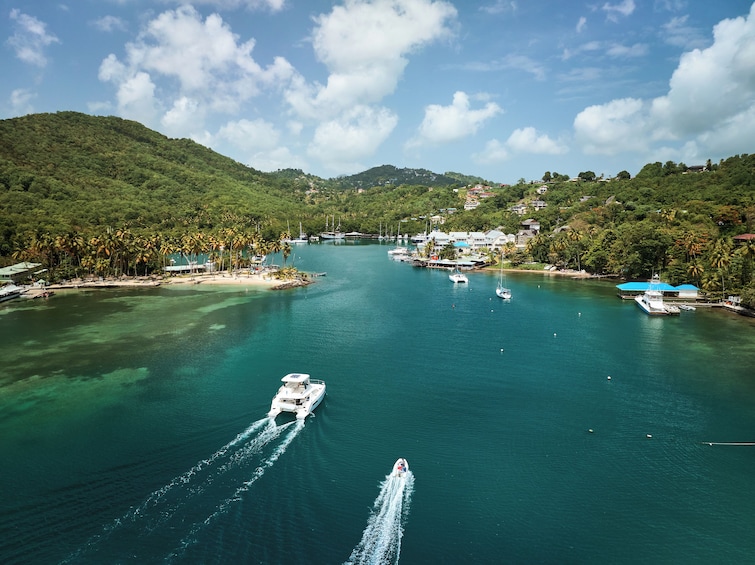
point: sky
(501, 89)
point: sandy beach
(263, 280)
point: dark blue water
(132, 424)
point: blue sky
(500, 89)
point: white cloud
(524, 63)
(274, 159)
(21, 101)
(500, 7)
(494, 152)
(109, 23)
(515, 62)
(709, 107)
(182, 118)
(258, 141)
(676, 32)
(364, 45)
(521, 141)
(581, 24)
(272, 5)
(30, 38)
(136, 98)
(250, 135)
(611, 128)
(623, 51)
(443, 124)
(340, 143)
(589, 47)
(714, 85)
(190, 59)
(613, 11)
(527, 140)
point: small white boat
(458, 277)
(299, 395)
(398, 253)
(687, 307)
(503, 292)
(400, 468)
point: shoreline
(257, 280)
(561, 273)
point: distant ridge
(385, 175)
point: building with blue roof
(634, 288)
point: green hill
(70, 171)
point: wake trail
(208, 480)
(224, 506)
(381, 539)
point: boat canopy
(296, 378)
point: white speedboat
(299, 395)
(458, 277)
(400, 468)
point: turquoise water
(132, 424)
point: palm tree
(696, 270)
(720, 258)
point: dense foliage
(86, 194)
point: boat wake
(381, 539)
(190, 502)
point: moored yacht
(299, 395)
(458, 277)
(503, 292)
(651, 301)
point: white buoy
(609, 377)
(554, 334)
(590, 430)
(648, 436)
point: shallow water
(114, 401)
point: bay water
(133, 429)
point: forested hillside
(69, 171)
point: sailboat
(335, 232)
(302, 236)
(501, 290)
